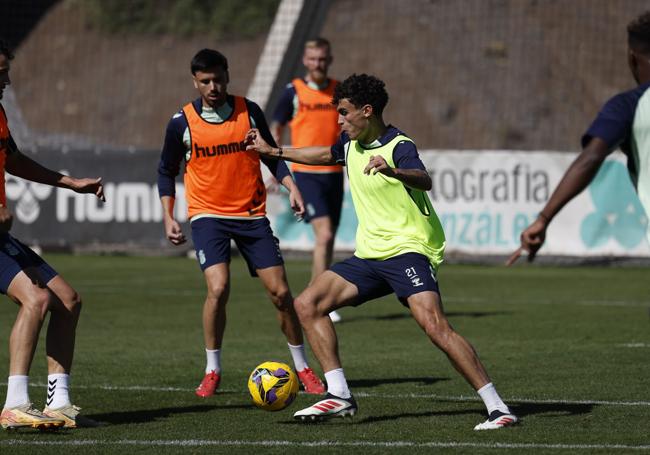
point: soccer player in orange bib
(226, 201)
(37, 289)
(306, 106)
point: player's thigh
(426, 308)
(274, 279)
(211, 238)
(328, 292)
(408, 274)
(23, 273)
(257, 244)
(359, 275)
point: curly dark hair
(638, 34)
(4, 49)
(362, 89)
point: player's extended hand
(532, 239)
(87, 185)
(376, 164)
(6, 220)
(297, 203)
(255, 142)
(174, 232)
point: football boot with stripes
(497, 420)
(332, 406)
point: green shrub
(218, 18)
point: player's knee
(440, 333)
(305, 307)
(217, 292)
(281, 297)
(38, 303)
(325, 237)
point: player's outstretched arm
(173, 230)
(581, 172)
(304, 155)
(24, 167)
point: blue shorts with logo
(254, 239)
(15, 257)
(404, 275)
(322, 193)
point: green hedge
(218, 18)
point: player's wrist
(544, 217)
(280, 152)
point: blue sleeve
(172, 155)
(338, 149)
(278, 168)
(284, 110)
(405, 156)
(614, 121)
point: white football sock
(17, 391)
(492, 399)
(213, 362)
(298, 356)
(58, 386)
(336, 383)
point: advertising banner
(483, 198)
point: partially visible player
(399, 246)
(226, 199)
(37, 289)
(623, 122)
(306, 106)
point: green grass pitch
(568, 349)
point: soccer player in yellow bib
(399, 246)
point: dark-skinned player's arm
(581, 172)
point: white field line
(396, 396)
(634, 345)
(285, 443)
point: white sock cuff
(484, 388)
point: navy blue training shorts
(254, 239)
(404, 275)
(15, 257)
(322, 193)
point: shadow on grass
(358, 383)
(407, 315)
(521, 410)
(553, 409)
(151, 415)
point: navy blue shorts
(15, 257)
(322, 193)
(404, 275)
(254, 239)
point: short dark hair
(206, 59)
(638, 34)
(4, 49)
(362, 89)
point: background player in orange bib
(226, 201)
(306, 106)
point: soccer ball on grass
(273, 386)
